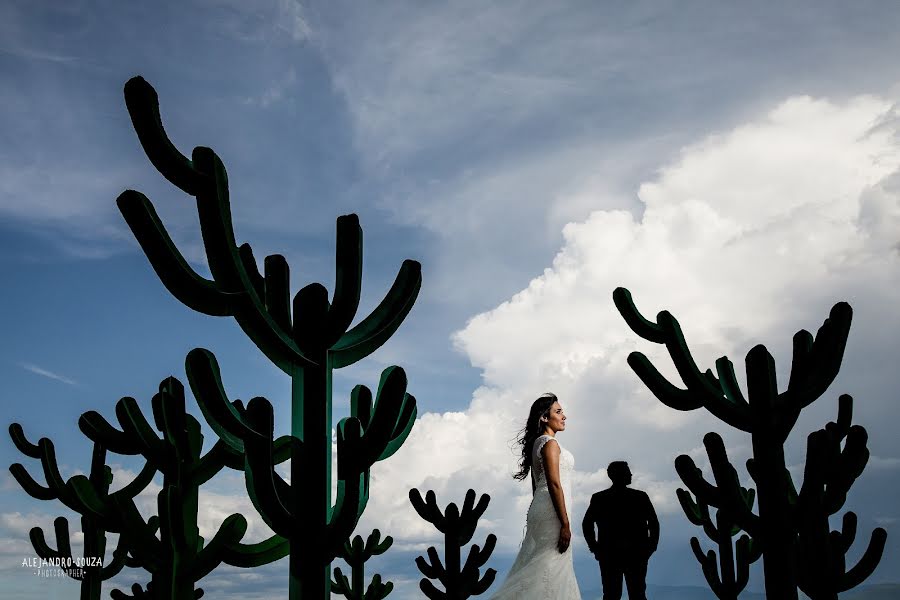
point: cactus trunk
(777, 532)
(310, 568)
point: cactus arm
(667, 393)
(693, 478)
(478, 556)
(728, 382)
(119, 558)
(137, 485)
(428, 508)
(481, 586)
(267, 489)
(98, 430)
(374, 330)
(847, 467)
(352, 497)
(819, 361)
(373, 547)
(219, 456)
(173, 270)
(222, 415)
(845, 537)
(228, 271)
(254, 555)
(378, 590)
(143, 107)
(389, 425)
(340, 584)
(709, 567)
(361, 405)
(800, 363)
(64, 549)
(136, 426)
(684, 362)
(55, 484)
(230, 532)
(432, 592)
(348, 278)
(696, 512)
(204, 177)
(393, 415)
(31, 487)
(137, 593)
(248, 264)
(476, 512)
(278, 291)
(21, 442)
(144, 546)
(720, 396)
(867, 563)
(432, 568)
(726, 493)
(746, 553)
(643, 327)
(727, 480)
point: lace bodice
(566, 463)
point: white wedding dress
(540, 571)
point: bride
(543, 569)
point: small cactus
(93, 527)
(727, 578)
(460, 581)
(355, 553)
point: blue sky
(736, 165)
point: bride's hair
(532, 430)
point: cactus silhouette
(460, 581)
(730, 576)
(829, 473)
(94, 529)
(179, 557)
(767, 415)
(355, 554)
(306, 338)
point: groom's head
(619, 473)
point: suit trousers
(633, 569)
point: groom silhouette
(627, 533)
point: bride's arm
(550, 454)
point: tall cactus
(730, 576)
(460, 581)
(307, 345)
(99, 479)
(829, 473)
(355, 554)
(767, 415)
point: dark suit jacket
(625, 522)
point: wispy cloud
(48, 374)
(30, 53)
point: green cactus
(730, 576)
(355, 554)
(307, 345)
(767, 415)
(94, 529)
(829, 473)
(460, 581)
